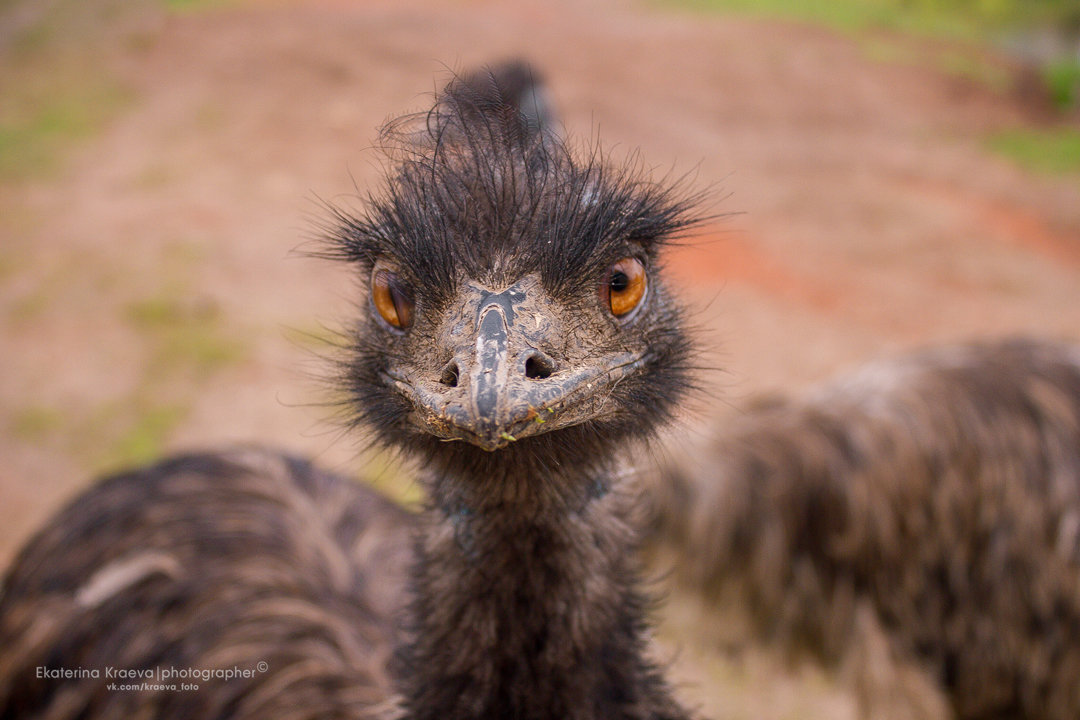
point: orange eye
(625, 286)
(392, 299)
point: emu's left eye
(392, 299)
(624, 286)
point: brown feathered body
(208, 563)
(937, 496)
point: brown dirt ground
(870, 219)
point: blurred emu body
(516, 336)
(932, 502)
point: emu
(931, 501)
(515, 335)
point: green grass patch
(153, 177)
(964, 63)
(185, 343)
(969, 66)
(194, 6)
(58, 78)
(35, 423)
(64, 281)
(1054, 151)
(143, 438)
(185, 335)
(126, 431)
(972, 20)
(58, 85)
(897, 31)
(9, 266)
(28, 308)
(1063, 81)
(38, 126)
(120, 433)
(956, 19)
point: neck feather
(526, 603)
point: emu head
(514, 301)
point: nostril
(539, 366)
(449, 375)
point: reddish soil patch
(1003, 221)
(736, 258)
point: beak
(503, 383)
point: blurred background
(891, 174)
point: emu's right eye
(624, 287)
(392, 299)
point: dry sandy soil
(151, 298)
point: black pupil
(619, 281)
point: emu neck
(526, 604)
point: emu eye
(392, 299)
(624, 286)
